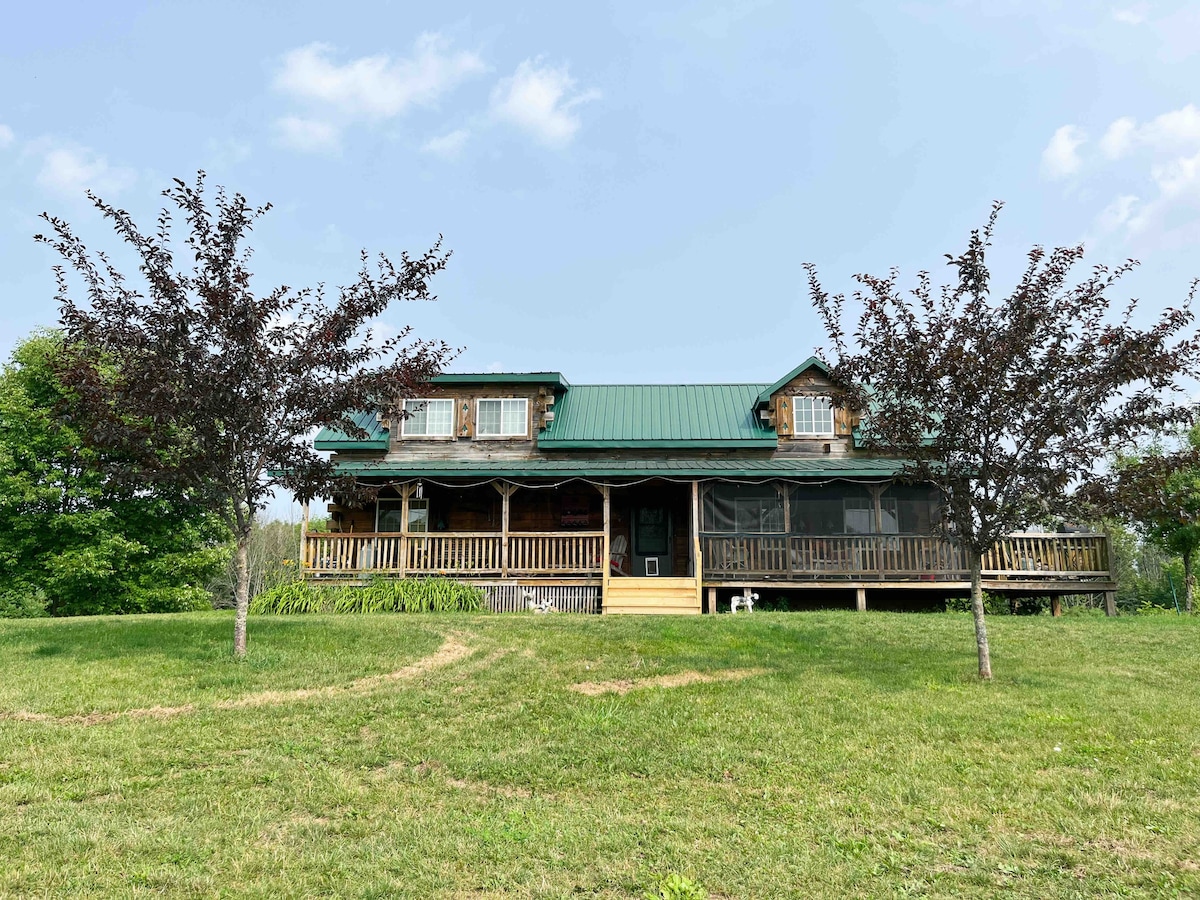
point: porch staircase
(652, 596)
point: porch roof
(336, 439)
(804, 467)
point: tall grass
(380, 595)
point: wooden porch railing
(901, 557)
(801, 557)
(553, 552)
(458, 553)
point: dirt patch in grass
(150, 712)
(679, 679)
(482, 788)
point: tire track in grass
(451, 651)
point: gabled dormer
(800, 407)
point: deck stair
(652, 596)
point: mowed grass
(864, 760)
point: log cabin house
(659, 498)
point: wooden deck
(1049, 562)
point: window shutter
(841, 421)
(466, 422)
(783, 415)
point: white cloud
(1117, 213)
(6, 136)
(1132, 15)
(375, 87)
(1118, 138)
(1163, 154)
(448, 145)
(1060, 158)
(1178, 176)
(1178, 129)
(74, 170)
(540, 100)
(309, 135)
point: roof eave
(813, 362)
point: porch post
(787, 526)
(505, 494)
(405, 493)
(303, 557)
(605, 552)
(697, 563)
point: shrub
(993, 604)
(378, 595)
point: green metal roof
(596, 416)
(813, 362)
(550, 378)
(336, 439)
(801, 467)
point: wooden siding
(465, 443)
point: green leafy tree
(73, 541)
(1159, 491)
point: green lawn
(797, 755)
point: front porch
(662, 545)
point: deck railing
(899, 557)
(455, 553)
(725, 556)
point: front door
(652, 541)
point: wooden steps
(652, 596)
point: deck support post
(711, 605)
(1110, 603)
(1056, 606)
(860, 599)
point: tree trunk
(1189, 581)
(242, 593)
(981, 638)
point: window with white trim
(813, 415)
(502, 418)
(428, 418)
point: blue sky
(629, 189)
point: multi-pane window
(502, 418)
(428, 418)
(814, 415)
(389, 516)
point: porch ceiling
(818, 467)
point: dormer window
(502, 418)
(813, 416)
(428, 418)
